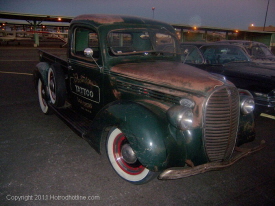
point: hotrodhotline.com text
(51, 197)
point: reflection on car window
(216, 54)
(191, 54)
(260, 51)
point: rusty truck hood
(172, 75)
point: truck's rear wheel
(57, 86)
(42, 97)
(124, 160)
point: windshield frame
(147, 34)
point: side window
(85, 38)
(257, 51)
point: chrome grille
(221, 119)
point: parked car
(232, 62)
(258, 52)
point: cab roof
(104, 19)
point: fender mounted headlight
(247, 105)
(246, 101)
(180, 117)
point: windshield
(141, 41)
(221, 54)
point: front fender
(246, 131)
(146, 131)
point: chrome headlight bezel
(247, 103)
(180, 117)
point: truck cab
(94, 50)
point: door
(85, 77)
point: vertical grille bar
(221, 119)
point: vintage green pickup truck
(121, 86)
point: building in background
(258, 28)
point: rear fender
(146, 131)
(43, 68)
(37, 74)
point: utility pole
(266, 14)
(153, 9)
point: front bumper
(268, 102)
(180, 172)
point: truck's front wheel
(124, 161)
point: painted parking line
(268, 116)
(14, 60)
(16, 73)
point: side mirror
(88, 52)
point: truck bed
(55, 55)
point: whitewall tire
(57, 86)
(124, 161)
(42, 97)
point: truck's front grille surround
(221, 119)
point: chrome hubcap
(128, 154)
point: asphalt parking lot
(43, 162)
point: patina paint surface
(172, 78)
(101, 18)
(170, 74)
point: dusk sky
(234, 14)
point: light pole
(153, 9)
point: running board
(79, 124)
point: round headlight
(247, 105)
(180, 117)
(186, 120)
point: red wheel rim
(132, 169)
(43, 96)
(52, 86)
